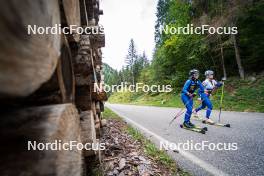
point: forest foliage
(175, 54)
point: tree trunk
(222, 58)
(48, 124)
(238, 59)
(133, 74)
(27, 61)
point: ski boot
(188, 125)
(192, 127)
(209, 121)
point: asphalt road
(247, 132)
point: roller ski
(192, 127)
(209, 121)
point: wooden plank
(88, 132)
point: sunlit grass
(238, 96)
(108, 114)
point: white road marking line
(206, 166)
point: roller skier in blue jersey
(209, 86)
(187, 94)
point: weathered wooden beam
(88, 133)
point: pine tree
(131, 59)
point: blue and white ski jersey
(190, 86)
(210, 85)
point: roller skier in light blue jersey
(209, 86)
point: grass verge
(239, 95)
(108, 114)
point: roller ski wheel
(203, 131)
(202, 128)
(228, 125)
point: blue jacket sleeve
(219, 84)
(186, 86)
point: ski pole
(180, 112)
(177, 115)
(221, 100)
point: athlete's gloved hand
(191, 95)
(219, 84)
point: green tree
(131, 59)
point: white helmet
(193, 71)
(208, 72)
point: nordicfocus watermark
(60, 145)
(203, 145)
(203, 29)
(138, 87)
(59, 29)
